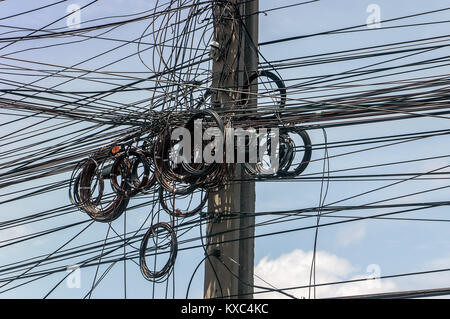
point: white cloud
(351, 233)
(293, 270)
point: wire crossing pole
(230, 260)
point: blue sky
(346, 250)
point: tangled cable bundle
(126, 167)
(160, 236)
(90, 181)
(158, 166)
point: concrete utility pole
(237, 36)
